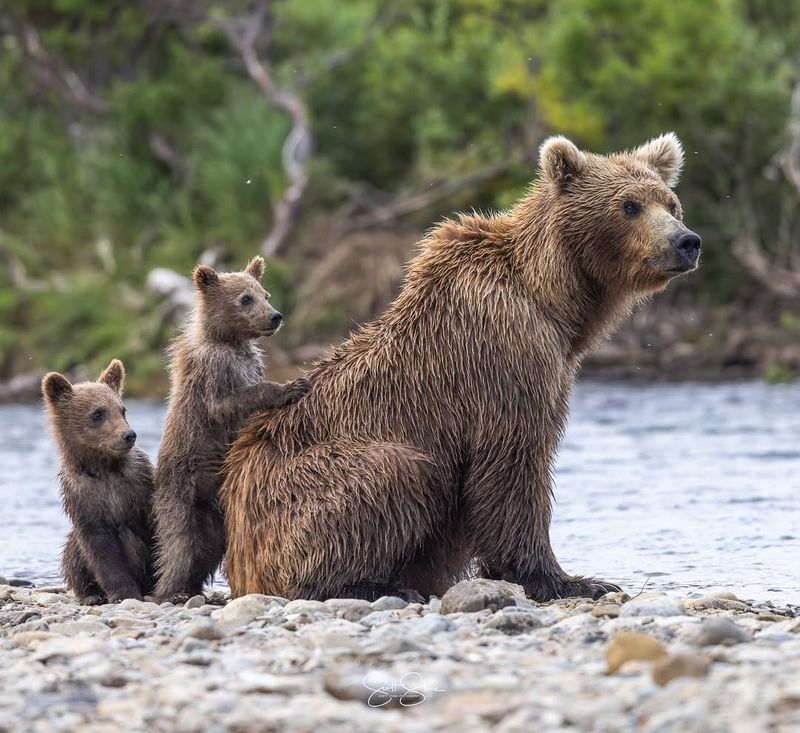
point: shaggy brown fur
(216, 370)
(429, 437)
(106, 487)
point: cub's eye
(98, 414)
(124, 411)
(631, 208)
(246, 300)
(673, 209)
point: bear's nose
(129, 436)
(687, 245)
(275, 319)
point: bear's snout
(129, 436)
(687, 245)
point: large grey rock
(658, 606)
(513, 620)
(205, 630)
(477, 595)
(241, 611)
(720, 630)
(388, 603)
(73, 628)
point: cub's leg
(77, 575)
(331, 519)
(191, 544)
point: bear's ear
(56, 387)
(204, 277)
(255, 267)
(114, 376)
(664, 155)
(560, 160)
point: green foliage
(88, 205)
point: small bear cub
(216, 372)
(106, 489)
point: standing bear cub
(429, 440)
(216, 370)
(106, 487)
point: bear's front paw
(546, 588)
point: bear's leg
(329, 520)
(191, 544)
(77, 575)
(508, 511)
(441, 562)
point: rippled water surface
(693, 486)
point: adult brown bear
(428, 438)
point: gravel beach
(483, 657)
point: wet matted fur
(428, 439)
(106, 489)
(216, 370)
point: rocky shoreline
(483, 657)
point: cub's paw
(93, 600)
(294, 390)
(177, 599)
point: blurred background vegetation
(151, 134)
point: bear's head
(617, 214)
(233, 306)
(89, 418)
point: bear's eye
(98, 414)
(631, 208)
(246, 300)
(673, 209)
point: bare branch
(164, 152)
(243, 33)
(778, 273)
(384, 17)
(53, 74)
(403, 206)
(778, 279)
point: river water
(686, 488)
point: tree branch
(243, 33)
(403, 206)
(52, 73)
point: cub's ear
(204, 277)
(256, 267)
(664, 155)
(56, 387)
(560, 160)
(114, 376)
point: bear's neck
(91, 463)
(208, 328)
(586, 308)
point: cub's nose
(129, 436)
(275, 319)
(687, 245)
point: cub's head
(89, 418)
(234, 305)
(619, 214)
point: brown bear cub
(216, 370)
(106, 487)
